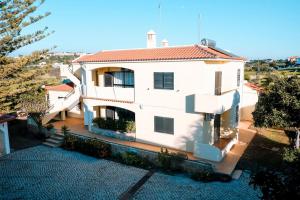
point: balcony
(110, 93)
(216, 104)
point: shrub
(170, 161)
(131, 158)
(290, 155)
(92, 147)
(207, 176)
(115, 125)
(130, 126)
(65, 130)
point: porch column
(89, 82)
(63, 115)
(88, 116)
(5, 137)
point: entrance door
(217, 127)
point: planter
(114, 134)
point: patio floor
(226, 166)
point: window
(164, 80)
(238, 77)
(124, 79)
(110, 112)
(218, 83)
(164, 125)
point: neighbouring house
(4, 136)
(182, 97)
(294, 59)
(249, 100)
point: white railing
(65, 103)
(216, 104)
(111, 93)
(66, 71)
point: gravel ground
(53, 173)
(161, 186)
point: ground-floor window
(164, 125)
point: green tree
(278, 106)
(19, 76)
(280, 185)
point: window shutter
(164, 125)
(218, 83)
(238, 77)
(169, 81)
(158, 80)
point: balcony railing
(110, 93)
(216, 104)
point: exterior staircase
(69, 101)
(55, 140)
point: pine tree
(20, 76)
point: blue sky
(250, 28)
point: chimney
(164, 43)
(151, 39)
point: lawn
(265, 150)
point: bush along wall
(115, 125)
(165, 161)
(92, 147)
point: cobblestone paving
(161, 186)
(52, 173)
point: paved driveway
(53, 173)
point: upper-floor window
(164, 125)
(218, 83)
(123, 79)
(164, 80)
(238, 77)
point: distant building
(67, 53)
(294, 59)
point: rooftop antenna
(199, 27)
(160, 17)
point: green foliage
(278, 105)
(280, 185)
(207, 176)
(65, 130)
(115, 125)
(92, 147)
(170, 161)
(19, 77)
(131, 158)
(290, 155)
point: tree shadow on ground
(20, 137)
(262, 152)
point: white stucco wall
(4, 139)
(190, 78)
(249, 100)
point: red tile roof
(62, 87)
(166, 53)
(254, 87)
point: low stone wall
(188, 166)
(113, 134)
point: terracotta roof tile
(62, 87)
(167, 53)
(254, 87)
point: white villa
(182, 97)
